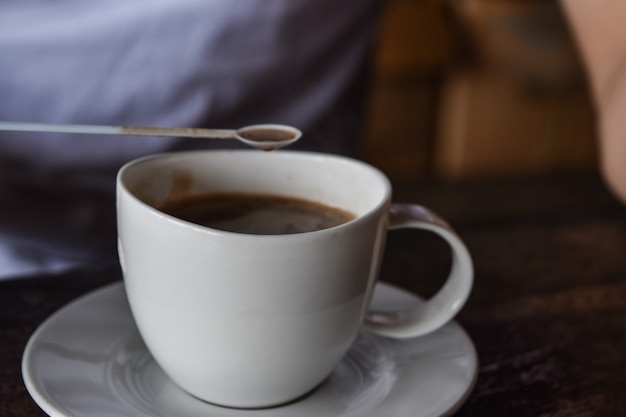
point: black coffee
(256, 213)
(266, 135)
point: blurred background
(478, 89)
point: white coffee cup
(253, 321)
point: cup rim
(383, 202)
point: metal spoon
(263, 136)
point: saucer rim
(51, 409)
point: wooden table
(547, 314)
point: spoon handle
(119, 130)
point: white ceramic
(88, 360)
(254, 320)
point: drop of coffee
(267, 135)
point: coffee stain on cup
(182, 182)
(151, 192)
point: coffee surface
(257, 214)
(266, 135)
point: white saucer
(88, 360)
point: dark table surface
(547, 313)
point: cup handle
(446, 303)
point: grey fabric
(211, 63)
